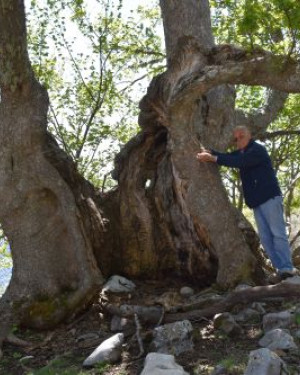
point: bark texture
(54, 270)
(175, 216)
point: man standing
(262, 193)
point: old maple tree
(170, 215)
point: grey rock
(186, 291)
(119, 324)
(118, 284)
(278, 339)
(297, 334)
(219, 370)
(173, 338)
(226, 323)
(292, 280)
(246, 315)
(264, 362)
(108, 351)
(162, 364)
(282, 319)
(258, 307)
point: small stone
(226, 323)
(26, 359)
(118, 284)
(108, 351)
(219, 370)
(186, 291)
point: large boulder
(264, 362)
(173, 338)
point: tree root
(12, 339)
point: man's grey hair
(242, 128)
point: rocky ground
(219, 346)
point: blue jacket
(257, 174)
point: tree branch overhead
(232, 65)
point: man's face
(241, 139)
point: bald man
(262, 193)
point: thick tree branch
(228, 64)
(259, 120)
(278, 133)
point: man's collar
(250, 143)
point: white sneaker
(290, 273)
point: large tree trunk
(175, 214)
(54, 269)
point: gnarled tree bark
(54, 269)
(175, 215)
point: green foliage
(5, 256)
(271, 24)
(60, 365)
(297, 319)
(92, 59)
(102, 367)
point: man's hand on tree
(206, 156)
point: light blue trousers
(272, 232)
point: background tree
(91, 64)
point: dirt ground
(61, 352)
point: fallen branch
(138, 336)
(286, 289)
(148, 314)
(196, 305)
(153, 314)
